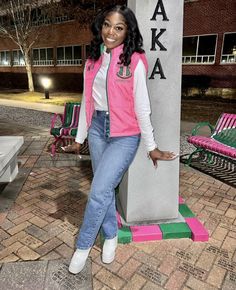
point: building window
(5, 58)
(229, 48)
(42, 56)
(69, 55)
(199, 49)
(39, 17)
(18, 59)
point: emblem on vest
(124, 72)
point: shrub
(201, 82)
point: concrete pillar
(146, 193)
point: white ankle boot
(109, 250)
(78, 260)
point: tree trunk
(29, 74)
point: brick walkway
(41, 224)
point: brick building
(209, 49)
(59, 53)
(209, 43)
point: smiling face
(114, 30)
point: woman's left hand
(157, 154)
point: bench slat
(227, 137)
(212, 145)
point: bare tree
(19, 22)
(23, 21)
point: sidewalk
(32, 106)
(41, 211)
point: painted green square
(185, 211)
(124, 235)
(175, 231)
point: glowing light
(46, 82)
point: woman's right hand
(157, 154)
(75, 148)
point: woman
(115, 112)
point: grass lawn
(205, 110)
(57, 98)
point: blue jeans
(111, 157)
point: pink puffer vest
(120, 88)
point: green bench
(67, 129)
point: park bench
(9, 148)
(221, 143)
(67, 129)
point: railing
(228, 58)
(198, 59)
(61, 19)
(5, 63)
(42, 62)
(42, 21)
(45, 21)
(69, 62)
(18, 63)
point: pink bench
(221, 142)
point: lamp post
(46, 82)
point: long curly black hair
(133, 41)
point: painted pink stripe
(231, 122)
(181, 200)
(218, 124)
(73, 116)
(77, 116)
(221, 123)
(146, 233)
(199, 233)
(118, 220)
(226, 121)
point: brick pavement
(42, 223)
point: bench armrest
(54, 118)
(200, 125)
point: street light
(46, 82)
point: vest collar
(115, 51)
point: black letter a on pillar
(162, 12)
(159, 71)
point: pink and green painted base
(191, 228)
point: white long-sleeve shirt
(141, 103)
